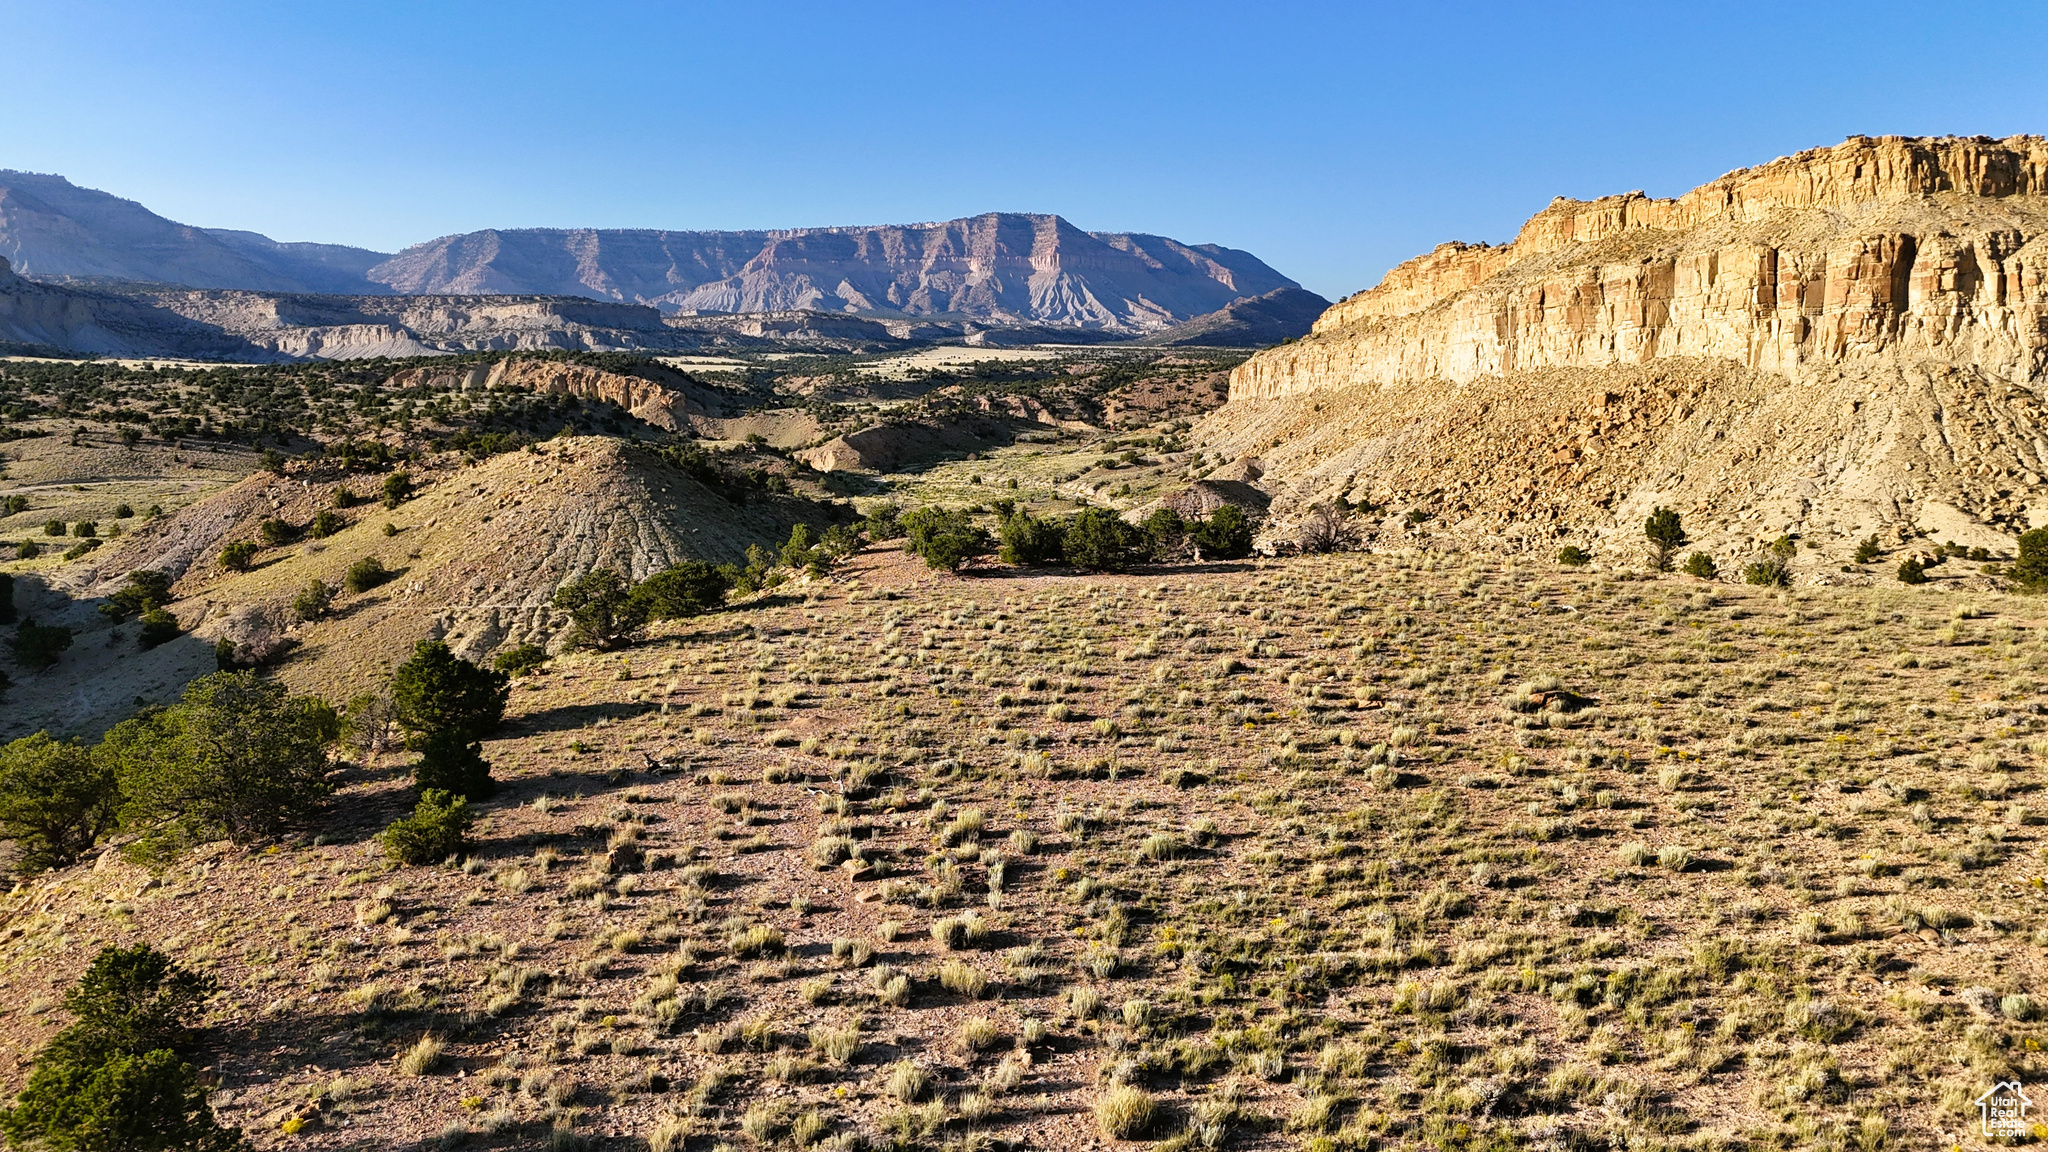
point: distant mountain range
(996, 269)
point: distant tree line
(1091, 540)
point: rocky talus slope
(1844, 341)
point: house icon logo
(2004, 1109)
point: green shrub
(56, 801)
(397, 489)
(1769, 572)
(437, 829)
(883, 523)
(1167, 533)
(796, 551)
(37, 646)
(271, 460)
(145, 589)
(1701, 565)
(1226, 535)
(520, 659)
(365, 574)
(451, 762)
(53, 527)
(277, 532)
(437, 690)
(343, 498)
(1912, 571)
(1867, 550)
(1573, 556)
(946, 539)
(1775, 569)
(238, 556)
(27, 550)
(159, 626)
(2030, 571)
(688, 589)
(86, 529)
(326, 522)
(235, 759)
(13, 505)
(123, 511)
(1099, 540)
(117, 1078)
(603, 609)
(82, 548)
(1029, 541)
(1666, 535)
(313, 601)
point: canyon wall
(1848, 342)
(1884, 246)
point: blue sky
(1333, 140)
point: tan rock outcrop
(1841, 342)
(647, 400)
(1877, 246)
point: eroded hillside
(1844, 340)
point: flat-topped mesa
(1877, 245)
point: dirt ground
(1394, 851)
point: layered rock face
(1843, 341)
(1886, 246)
(662, 406)
(998, 267)
(257, 326)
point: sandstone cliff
(1886, 245)
(1839, 340)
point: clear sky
(1333, 140)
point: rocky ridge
(221, 324)
(1836, 343)
(1009, 268)
(50, 227)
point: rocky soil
(1402, 850)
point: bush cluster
(235, 759)
(119, 1077)
(607, 610)
(38, 646)
(1099, 540)
(145, 594)
(1774, 569)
